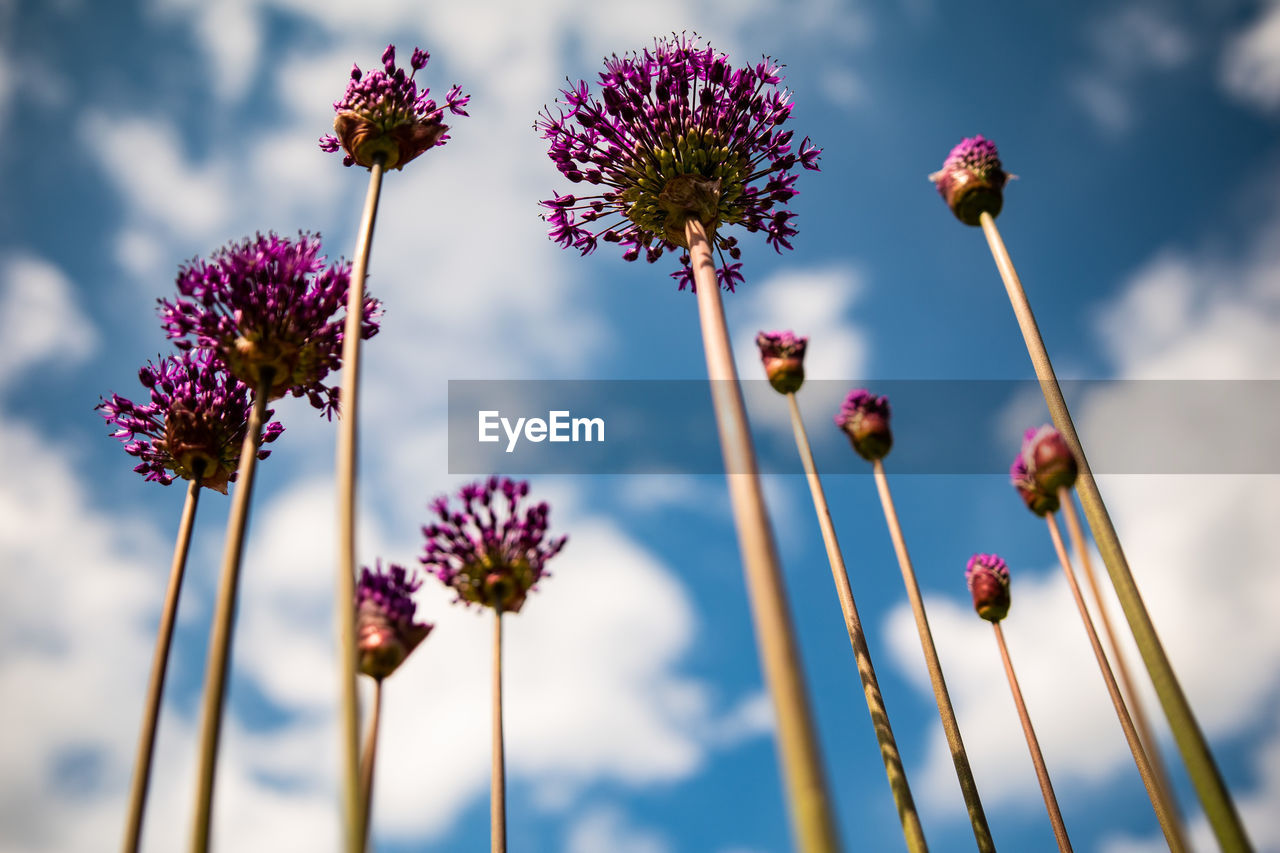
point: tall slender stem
(498, 776)
(1204, 772)
(224, 614)
(911, 829)
(367, 759)
(1172, 834)
(345, 589)
(797, 741)
(1037, 757)
(159, 666)
(1127, 686)
(960, 758)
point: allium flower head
(988, 578)
(266, 306)
(385, 628)
(676, 132)
(193, 425)
(491, 551)
(1037, 500)
(1049, 460)
(971, 180)
(865, 419)
(383, 112)
(783, 357)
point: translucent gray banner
(940, 426)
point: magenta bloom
(386, 632)
(783, 357)
(491, 552)
(988, 578)
(1049, 460)
(383, 112)
(865, 419)
(266, 308)
(193, 425)
(677, 132)
(971, 180)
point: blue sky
(1144, 223)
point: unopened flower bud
(864, 417)
(783, 357)
(971, 180)
(1049, 460)
(988, 578)
(1037, 500)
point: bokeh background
(1145, 223)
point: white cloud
(1251, 62)
(606, 828)
(39, 318)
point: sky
(1143, 221)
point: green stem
(1033, 744)
(345, 588)
(159, 666)
(1203, 770)
(224, 614)
(959, 757)
(1167, 825)
(797, 741)
(367, 762)
(911, 828)
(498, 776)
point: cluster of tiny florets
(386, 626)
(678, 112)
(193, 424)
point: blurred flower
(865, 419)
(267, 304)
(1038, 501)
(194, 424)
(678, 132)
(783, 357)
(490, 555)
(385, 628)
(988, 578)
(971, 180)
(1048, 459)
(383, 112)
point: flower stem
(1204, 772)
(1127, 686)
(1171, 834)
(367, 760)
(498, 776)
(224, 613)
(159, 666)
(911, 829)
(345, 589)
(960, 758)
(1037, 758)
(797, 741)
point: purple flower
(491, 552)
(865, 419)
(383, 112)
(385, 628)
(1038, 501)
(971, 180)
(988, 578)
(265, 307)
(193, 425)
(783, 357)
(1049, 460)
(677, 132)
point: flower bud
(971, 180)
(865, 419)
(988, 578)
(1037, 500)
(385, 628)
(1049, 460)
(783, 357)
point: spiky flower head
(676, 133)
(193, 425)
(783, 357)
(864, 417)
(971, 180)
(266, 307)
(490, 551)
(385, 612)
(988, 578)
(383, 112)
